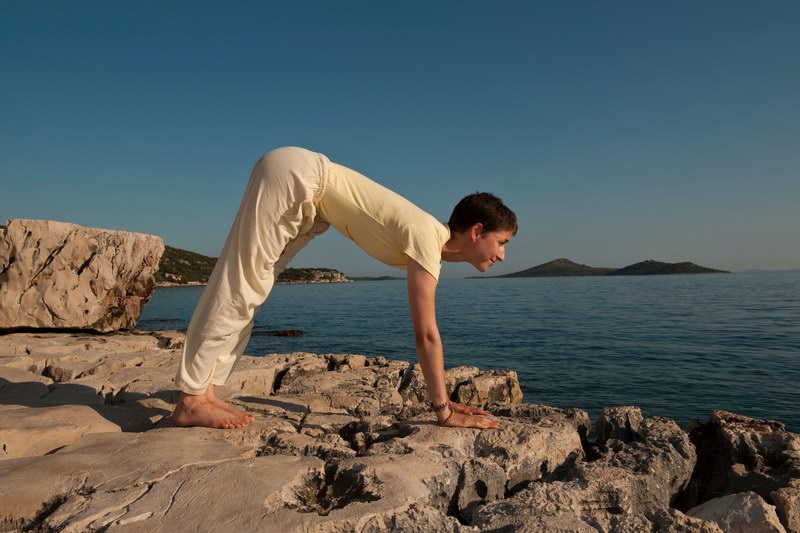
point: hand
(466, 416)
(468, 409)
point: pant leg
(222, 372)
(278, 206)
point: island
(566, 268)
(182, 268)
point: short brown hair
(484, 208)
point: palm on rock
(471, 417)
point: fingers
(468, 409)
(471, 421)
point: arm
(422, 302)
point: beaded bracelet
(437, 408)
(446, 420)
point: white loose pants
(276, 219)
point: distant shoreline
(199, 284)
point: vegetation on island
(182, 267)
(565, 267)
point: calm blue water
(677, 346)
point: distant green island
(566, 268)
(184, 268)
(179, 268)
(375, 278)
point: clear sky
(618, 131)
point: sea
(678, 346)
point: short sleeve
(423, 244)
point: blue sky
(618, 131)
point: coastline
(345, 440)
(297, 282)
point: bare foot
(200, 411)
(222, 404)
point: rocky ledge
(344, 443)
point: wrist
(444, 415)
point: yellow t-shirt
(381, 222)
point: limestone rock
(494, 386)
(21, 387)
(620, 423)
(533, 413)
(104, 462)
(341, 442)
(633, 478)
(742, 512)
(59, 275)
(740, 454)
(787, 505)
(36, 431)
(465, 384)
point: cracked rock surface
(60, 275)
(345, 443)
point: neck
(452, 251)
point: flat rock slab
(238, 495)
(59, 275)
(26, 431)
(105, 462)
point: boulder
(620, 423)
(465, 384)
(635, 478)
(740, 454)
(744, 512)
(787, 505)
(59, 275)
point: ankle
(189, 400)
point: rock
(169, 339)
(634, 478)
(745, 512)
(465, 384)
(255, 376)
(787, 506)
(482, 481)
(536, 413)
(28, 431)
(58, 275)
(524, 452)
(237, 494)
(495, 386)
(620, 423)
(20, 387)
(103, 462)
(740, 454)
(660, 521)
(528, 452)
(283, 333)
(414, 390)
(416, 519)
(325, 446)
(341, 442)
(298, 365)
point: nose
(502, 255)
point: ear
(476, 231)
